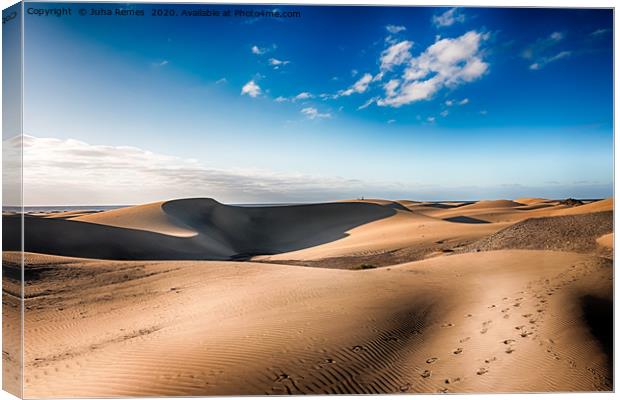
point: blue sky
(419, 103)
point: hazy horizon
(420, 103)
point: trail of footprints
(527, 308)
(536, 293)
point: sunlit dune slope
(498, 321)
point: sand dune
(532, 200)
(455, 324)
(149, 217)
(606, 241)
(491, 204)
(207, 299)
(193, 229)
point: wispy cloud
(542, 51)
(541, 62)
(448, 18)
(67, 171)
(278, 63)
(446, 63)
(600, 32)
(313, 113)
(394, 29)
(358, 87)
(251, 89)
(257, 50)
(396, 54)
(304, 96)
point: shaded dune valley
(194, 297)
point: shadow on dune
(223, 232)
(598, 314)
(466, 220)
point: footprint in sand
(458, 351)
(426, 374)
(484, 330)
(432, 360)
(464, 339)
(447, 325)
(405, 387)
(490, 360)
(506, 316)
(357, 349)
(519, 327)
(482, 371)
(527, 315)
(282, 377)
(508, 341)
(525, 333)
(509, 350)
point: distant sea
(50, 209)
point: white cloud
(391, 86)
(391, 121)
(556, 36)
(313, 113)
(448, 18)
(463, 102)
(277, 63)
(251, 89)
(396, 54)
(446, 63)
(72, 172)
(430, 120)
(221, 81)
(449, 103)
(304, 96)
(358, 87)
(280, 99)
(394, 29)
(257, 50)
(444, 113)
